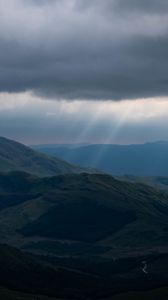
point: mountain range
(150, 159)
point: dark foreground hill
(82, 236)
(16, 156)
(150, 159)
(26, 273)
(27, 276)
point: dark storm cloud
(79, 49)
(144, 6)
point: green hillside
(15, 156)
(91, 209)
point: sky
(84, 71)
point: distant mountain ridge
(15, 156)
(150, 159)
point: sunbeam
(110, 137)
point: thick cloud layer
(85, 49)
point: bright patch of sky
(31, 119)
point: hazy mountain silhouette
(150, 159)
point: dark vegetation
(26, 273)
(79, 278)
(88, 208)
(85, 221)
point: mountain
(93, 211)
(150, 159)
(82, 236)
(16, 156)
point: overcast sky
(84, 70)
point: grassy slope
(83, 208)
(15, 156)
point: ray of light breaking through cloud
(30, 119)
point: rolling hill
(15, 156)
(81, 236)
(93, 211)
(150, 159)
